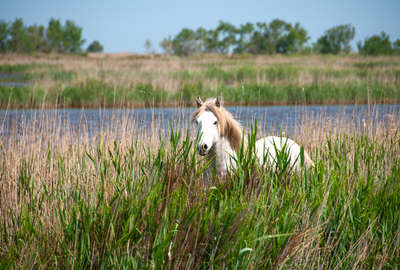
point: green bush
(19, 68)
(336, 39)
(245, 73)
(183, 75)
(95, 47)
(89, 92)
(280, 73)
(20, 96)
(376, 45)
(327, 93)
(188, 93)
(149, 95)
(220, 75)
(62, 75)
(250, 74)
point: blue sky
(124, 26)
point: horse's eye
(215, 123)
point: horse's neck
(223, 155)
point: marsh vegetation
(77, 81)
(128, 199)
(135, 198)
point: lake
(271, 119)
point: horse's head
(208, 123)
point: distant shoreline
(133, 80)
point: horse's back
(267, 147)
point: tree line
(276, 37)
(17, 37)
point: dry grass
(44, 162)
(122, 70)
(135, 198)
(47, 132)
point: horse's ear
(217, 102)
(199, 102)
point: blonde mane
(226, 145)
(228, 126)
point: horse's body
(221, 137)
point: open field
(140, 202)
(141, 80)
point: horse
(220, 137)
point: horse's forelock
(219, 114)
(229, 128)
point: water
(271, 119)
(12, 79)
(13, 84)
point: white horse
(221, 137)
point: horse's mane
(229, 127)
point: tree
(278, 29)
(34, 39)
(260, 40)
(3, 36)
(243, 41)
(55, 35)
(322, 45)
(95, 47)
(185, 43)
(336, 39)
(211, 41)
(23, 39)
(72, 38)
(375, 45)
(278, 37)
(225, 33)
(166, 45)
(201, 37)
(148, 46)
(396, 46)
(17, 37)
(17, 32)
(295, 40)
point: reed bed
(77, 81)
(125, 197)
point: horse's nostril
(202, 148)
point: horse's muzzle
(203, 149)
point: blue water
(269, 118)
(13, 84)
(12, 79)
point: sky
(124, 26)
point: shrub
(376, 45)
(95, 47)
(336, 39)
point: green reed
(142, 208)
(84, 82)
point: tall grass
(94, 93)
(169, 81)
(130, 199)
